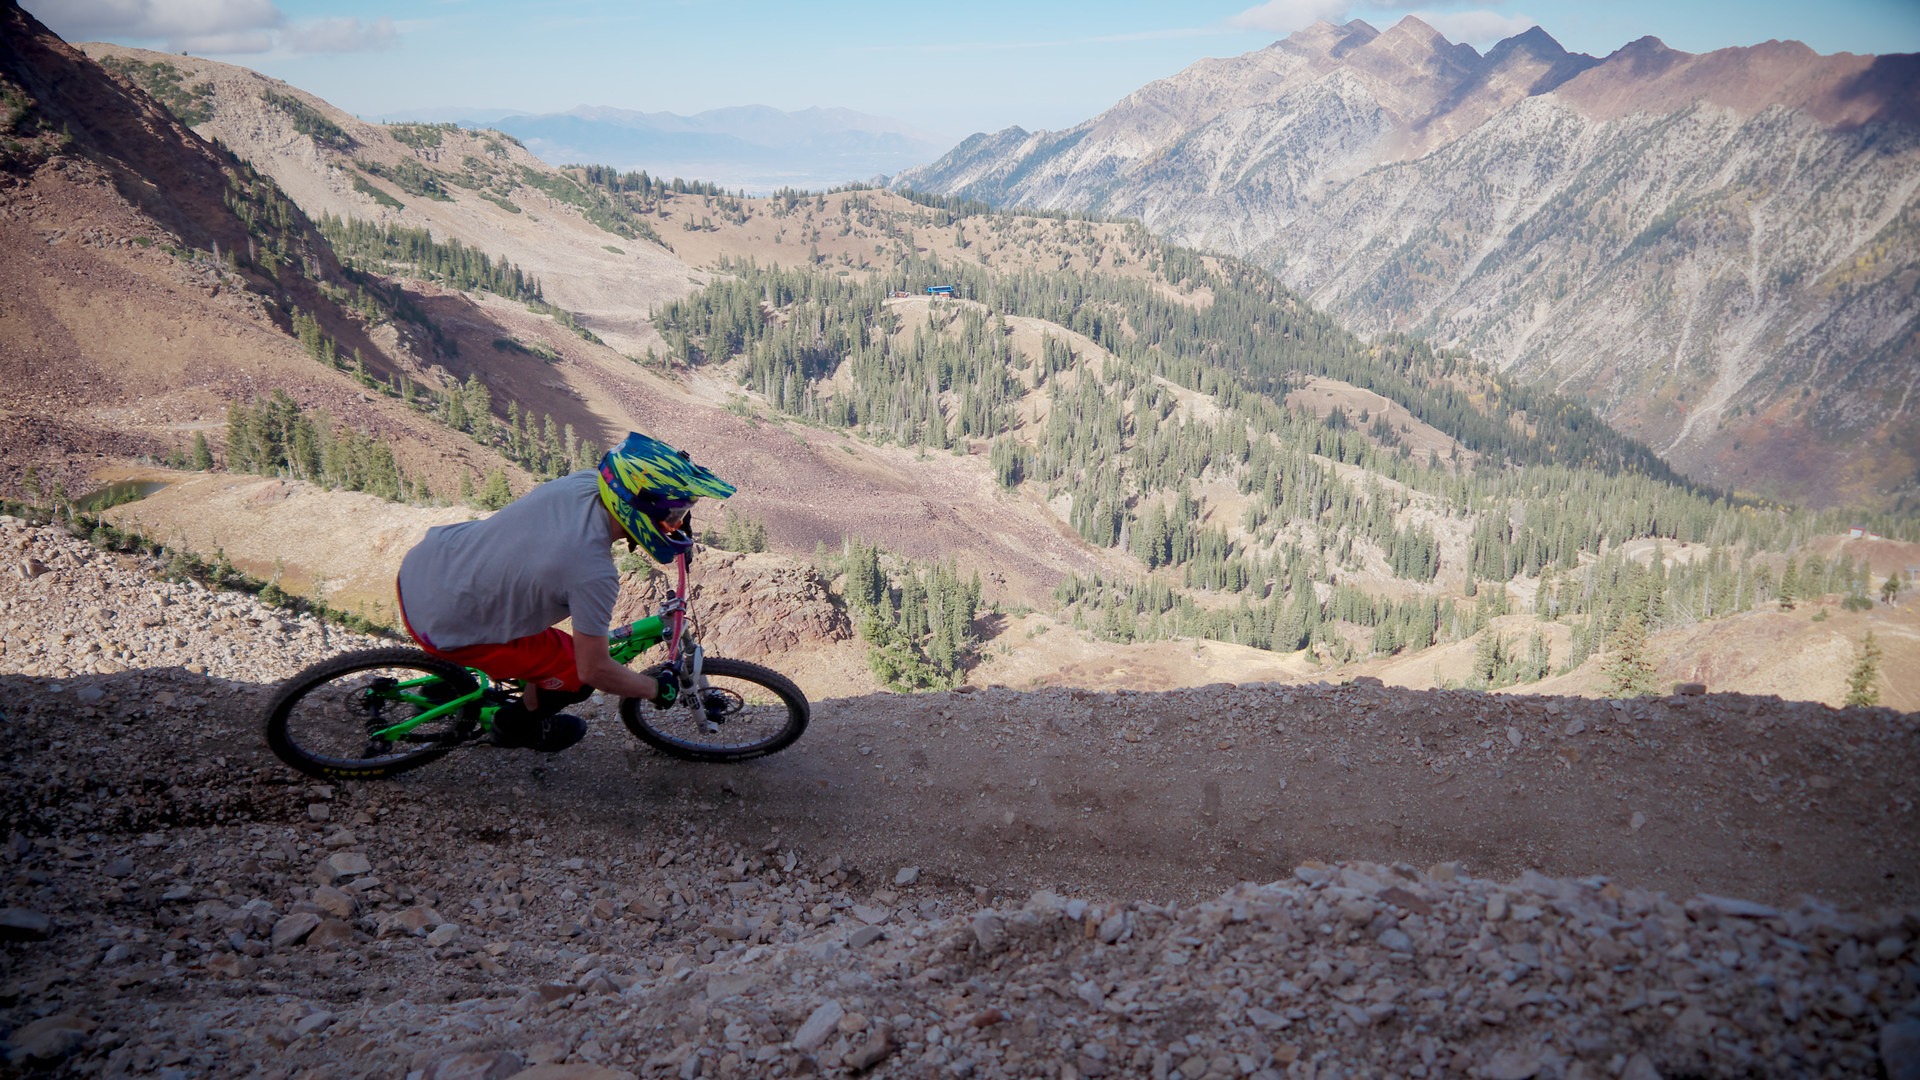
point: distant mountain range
(1129, 442)
(752, 147)
(1718, 251)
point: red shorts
(544, 659)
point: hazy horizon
(946, 72)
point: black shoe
(514, 727)
(559, 731)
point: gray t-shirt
(546, 556)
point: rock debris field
(1248, 881)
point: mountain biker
(486, 594)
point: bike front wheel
(744, 711)
(336, 719)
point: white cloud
(1286, 16)
(203, 26)
(83, 20)
(341, 36)
(210, 27)
(1480, 29)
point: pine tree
(1486, 660)
(495, 494)
(1813, 578)
(1861, 684)
(202, 458)
(1539, 658)
(479, 403)
(1295, 627)
(1789, 588)
(866, 587)
(240, 449)
(1629, 672)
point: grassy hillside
(1143, 394)
(1154, 442)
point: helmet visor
(668, 515)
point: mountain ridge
(130, 236)
(1158, 442)
(1721, 231)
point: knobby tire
(318, 719)
(764, 713)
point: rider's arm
(598, 670)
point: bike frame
(670, 624)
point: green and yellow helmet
(649, 487)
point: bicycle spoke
(742, 711)
(372, 713)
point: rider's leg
(542, 727)
(552, 701)
(545, 663)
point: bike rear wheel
(745, 711)
(324, 720)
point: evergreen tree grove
(276, 437)
(920, 637)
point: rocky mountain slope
(151, 280)
(1214, 882)
(1717, 251)
(482, 188)
(1215, 871)
(125, 336)
(812, 481)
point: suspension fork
(683, 653)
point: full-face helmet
(650, 488)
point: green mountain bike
(377, 712)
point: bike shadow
(138, 750)
(1164, 792)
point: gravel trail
(1223, 882)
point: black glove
(668, 681)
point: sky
(947, 69)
